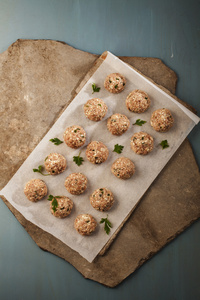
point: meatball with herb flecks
(76, 183)
(138, 101)
(123, 168)
(118, 124)
(162, 120)
(102, 199)
(97, 152)
(142, 143)
(95, 109)
(35, 190)
(55, 163)
(85, 224)
(61, 206)
(74, 136)
(115, 83)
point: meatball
(142, 143)
(35, 189)
(55, 163)
(95, 109)
(138, 101)
(74, 136)
(162, 120)
(97, 152)
(102, 199)
(117, 124)
(76, 183)
(115, 83)
(85, 224)
(61, 206)
(123, 168)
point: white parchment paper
(127, 193)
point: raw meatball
(115, 83)
(35, 189)
(85, 224)
(95, 109)
(162, 120)
(76, 183)
(142, 143)
(63, 208)
(74, 136)
(138, 101)
(117, 124)
(123, 168)
(55, 163)
(102, 199)
(97, 152)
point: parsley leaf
(95, 88)
(107, 224)
(54, 202)
(78, 159)
(39, 170)
(56, 141)
(139, 122)
(118, 148)
(164, 144)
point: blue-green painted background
(169, 30)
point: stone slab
(48, 74)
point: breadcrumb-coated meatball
(102, 199)
(85, 224)
(117, 124)
(76, 183)
(162, 120)
(35, 190)
(97, 152)
(63, 207)
(142, 143)
(123, 168)
(74, 136)
(138, 101)
(55, 163)
(115, 83)
(95, 109)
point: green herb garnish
(118, 148)
(54, 202)
(39, 170)
(164, 144)
(101, 190)
(56, 141)
(107, 224)
(139, 122)
(78, 159)
(95, 88)
(76, 130)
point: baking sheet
(127, 193)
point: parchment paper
(127, 193)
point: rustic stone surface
(44, 74)
(167, 209)
(38, 80)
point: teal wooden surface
(169, 30)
